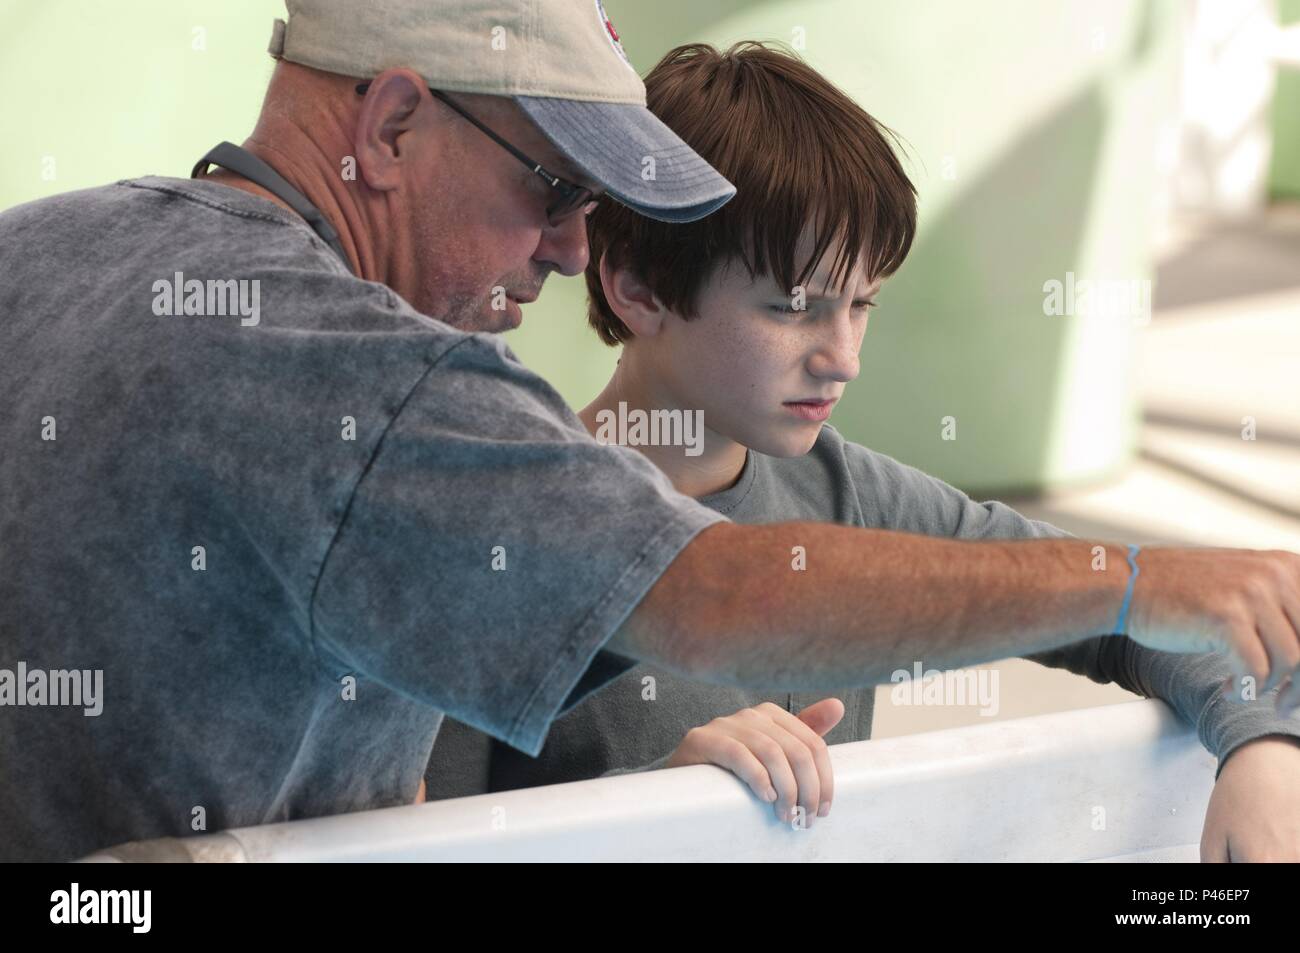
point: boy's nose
(837, 359)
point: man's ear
(631, 299)
(387, 115)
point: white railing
(1121, 782)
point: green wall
(1284, 175)
(113, 89)
(1031, 128)
(1032, 131)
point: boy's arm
(1191, 684)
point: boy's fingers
(774, 758)
(804, 751)
(732, 754)
(822, 716)
(808, 727)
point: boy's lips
(812, 408)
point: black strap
(227, 155)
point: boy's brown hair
(795, 147)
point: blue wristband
(1122, 621)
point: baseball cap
(560, 60)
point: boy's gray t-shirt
(288, 545)
(635, 724)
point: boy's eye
(859, 305)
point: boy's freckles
(770, 378)
(739, 368)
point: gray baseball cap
(560, 60)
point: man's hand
(781, 756)
(1243, 603)
(1254, 812)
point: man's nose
(564, 246)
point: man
(265, 485)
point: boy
(754, 316)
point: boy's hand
(781, 756)
(1253, 814)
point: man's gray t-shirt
(288, 543)
(635, 724)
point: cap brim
(611, 142)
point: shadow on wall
(969, 290)
(977, 345)
(1058, 172)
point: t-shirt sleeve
(895, 496)
(900, 497)
(491, 548)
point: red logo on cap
(612, 35)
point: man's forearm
(734, 608)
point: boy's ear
(631, 299)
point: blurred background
(1103, 302)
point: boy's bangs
(802, 155)
(849, 192)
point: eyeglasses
(569, 198)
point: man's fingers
(1247, 656)
(1291, 608)
(1288, 698)
(1280, 643)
